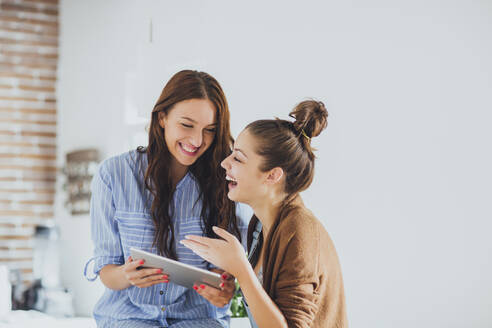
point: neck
(178, 171)
(266, 210)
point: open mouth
(188, 149)
(232, 181)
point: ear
(162, 119)
(275, 175)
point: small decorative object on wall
(79, 170)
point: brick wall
(28, 63)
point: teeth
(228, 178)
(189, 148)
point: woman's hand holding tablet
(142, 277)
(219, 297)
(179, 273)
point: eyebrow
(242, 152)
(193, 121)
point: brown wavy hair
(287, 145)
(217, 209)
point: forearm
(264, 310)
(112, 276)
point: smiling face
(189, 129)
(247, 183)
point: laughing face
(189, 129)
(247, 183)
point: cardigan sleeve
(297, 282)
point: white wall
(403, 183)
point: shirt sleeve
(104, 228)
(295, 288)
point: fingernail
(159, 270)
(195, 287)
(166, 281)
(224, 276)
(222, 284)
(141, 262)
(164, 277)
(202, 286)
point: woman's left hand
(227, 253)
(218, 297)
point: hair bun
(311, 116)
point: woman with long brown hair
(292, 276)
(149, 198)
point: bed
(24, 319)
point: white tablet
(179, 273)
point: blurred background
(403, 181)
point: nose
(225, 163)
(197, 139)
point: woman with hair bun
(292, 276)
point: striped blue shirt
(120, 219)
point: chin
(187, 162)
(232, 196)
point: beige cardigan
(301, 271)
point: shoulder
(300, 222)
(117, 165)
(118, 168)
(300, 232)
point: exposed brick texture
(28, 64)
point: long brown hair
(287, 145)
(217, 209)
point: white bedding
(35, 319)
